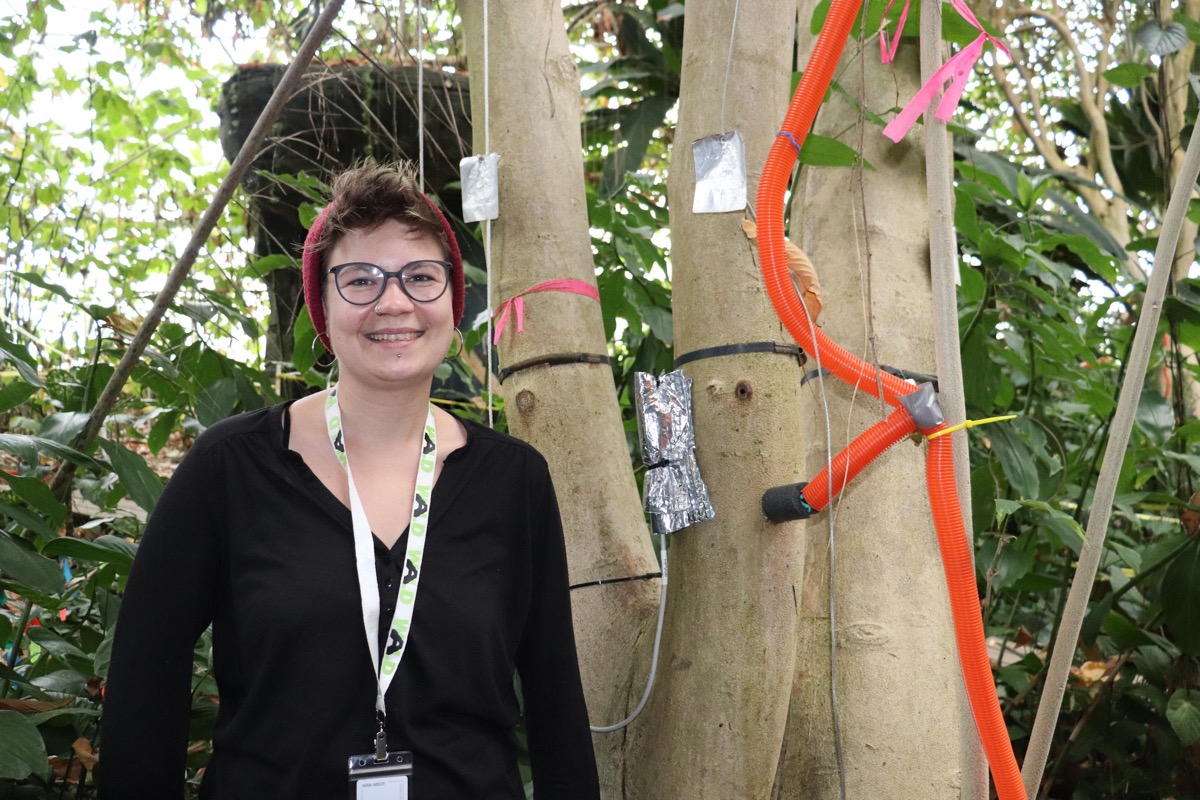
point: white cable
(487, 225)
(729, 62)
(662, 607)
(421, 95)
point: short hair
(370, 194)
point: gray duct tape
(923, 407)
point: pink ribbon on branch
(517, 303)
(956, 70)
(888, 54)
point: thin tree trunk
(568, 411)
(716, 720)
(898, 679)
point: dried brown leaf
(804, 275)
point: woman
(266, 534)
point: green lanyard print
(364, 557)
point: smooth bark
(898, 679)
(716, 722)
(569, 412)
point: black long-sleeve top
(246, 537)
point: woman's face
(394, 341)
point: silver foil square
(480, 187)
(675, 494)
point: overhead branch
(137, 346)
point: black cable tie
(791, 350)
(606, 581)
(903, 374)
(551, 361)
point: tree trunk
(568, 411)
(716, 719)
(898, 681)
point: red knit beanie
(312, 272)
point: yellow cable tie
(971, 423)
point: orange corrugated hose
(947, 514)
(862, 451)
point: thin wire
(729, 62)
(421, 94)
(487, 225)
(835, 711)
(662, 605)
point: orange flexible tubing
(862, 451)
(947, 515)
(968, 623)
(772, 186)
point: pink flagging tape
(888, 54)
(517, 302)
(957, 70)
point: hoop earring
(462, 345)
(317, 359)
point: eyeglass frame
(397, 274)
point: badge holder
(375, 778)
(480, 187)
(720, 173)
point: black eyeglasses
(361, 284)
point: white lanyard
(364, 551)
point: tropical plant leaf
(1159, 41)
(1181, 598)
(30, 448)
(143, 485)
(106, 550)
(1183, 712)
(28, 567)
(23, 752)
(1128, 76)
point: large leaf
(1181, 599)
(15, 393)
(215, 401)
(30, 448)
(26, 566)
(821, 151)
(105, 550)
(1128, 76)
(1017, 460)
(38, 495)
(143, 485)
(23, 752)
(28, 520)
(60, 648)
(1159, 41)
(1183, 712)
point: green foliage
(1045, 322)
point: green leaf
(14, 393)
(1159, 41)
(38, 495)
(260, 266)
(1128, 76)
(141, 482)
(61, 649)
(30, 448)
(1181, 598)
(63, 427)
(105, 550)
(28, 520)
(1183, 712)
(1017, 461)
(28, 567)
(26, 370)
(215, 401)
(23, 752)
(162, 429)
(821, 151)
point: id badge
(380, 780)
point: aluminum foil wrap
(676, 496)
